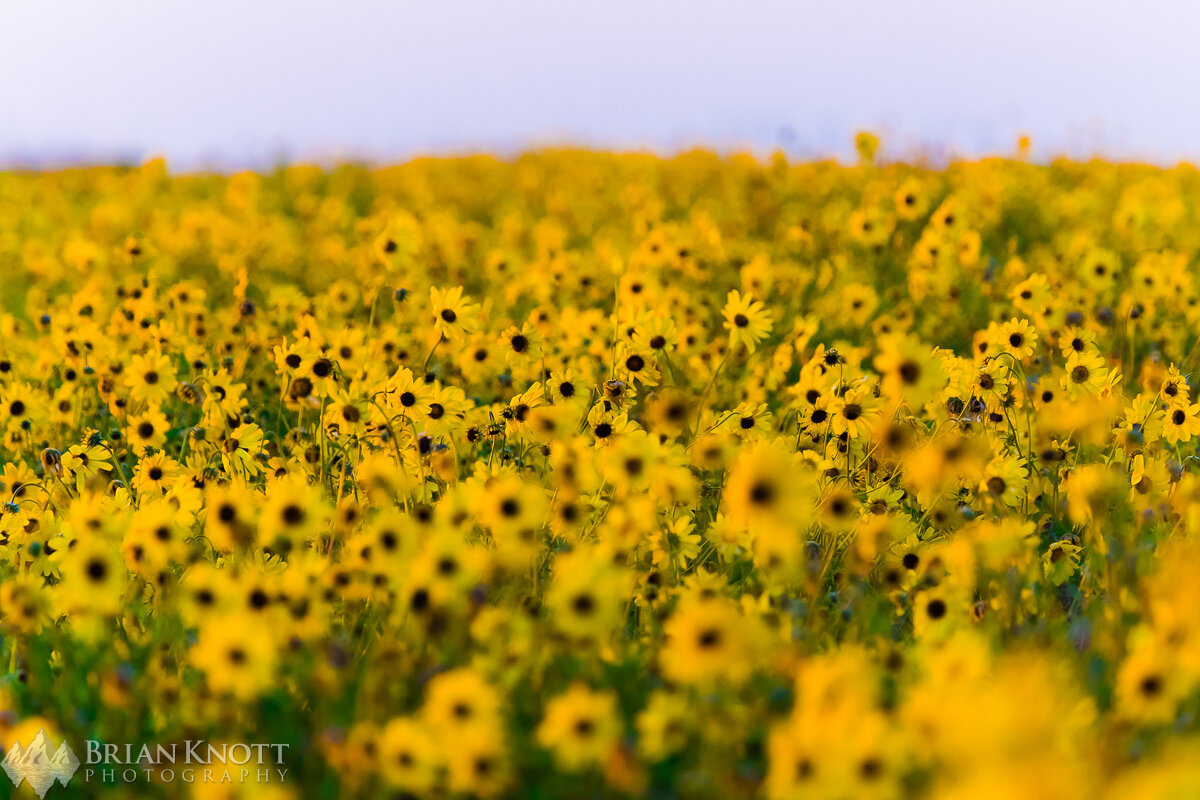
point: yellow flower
(86, 459)
(235, 657)
(854, 412)
(866, 143)
(663, 725)
(580, 727)
(409, 756)
(588, 595)
(1018, 337)
(1086, 373)
(747, 321)
(1004, 481)
(709, 643)
(150, 378)
(1180, 422)
(453, 316)
(241, 450)
(458, 700)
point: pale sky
(231, 83)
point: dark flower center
(762, 493)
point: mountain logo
(40, 764)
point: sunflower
(854, 412)
(587, 595)
(859, 302)
(709, 643)
(150, 378)
(675, 542)
(1181, 421)
(235, 657)
(147, 430)
(513, 511)
(656, 333)
(448, 407)
(1148, 685)
(291, 515)
(747, 321)
(407, 395)
(155, 473)
(637, 364)
(1004, 481)
(21, 407)
(1086, 373)
(910, 372)
(1033, 295)
(477, 356)
(608, 423)
(749, 421)
(1018, 337)
(478, 763)
(453, 316)
(409, 756)
(766, 487)
(153, 541)
(521, 345)
(289, 358)
(86, 459)
(25, 607)
(910, 200)
(581, 727)
(231, 516)
(317, 377)
(459, 700)
(94, 578)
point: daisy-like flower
(1018, 337)
(747, 321)
(150, 378)
(637, 364)
(86, 459)
(748, 420)
(675, 542)
(1004, 481)
(911, 373)
(147, 430)
(235, 657)
(656, 332)
(1032, 295)
(854, 413)
(407, 395)
(1180, 422)
(346, 416)
(453, 316)
(241, 449)
(521, 345)
(709, 642)
(155, 473)
(581, 727)
(607, 423)
(1086, 373)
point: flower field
(585, 475)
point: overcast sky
(246, 82)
